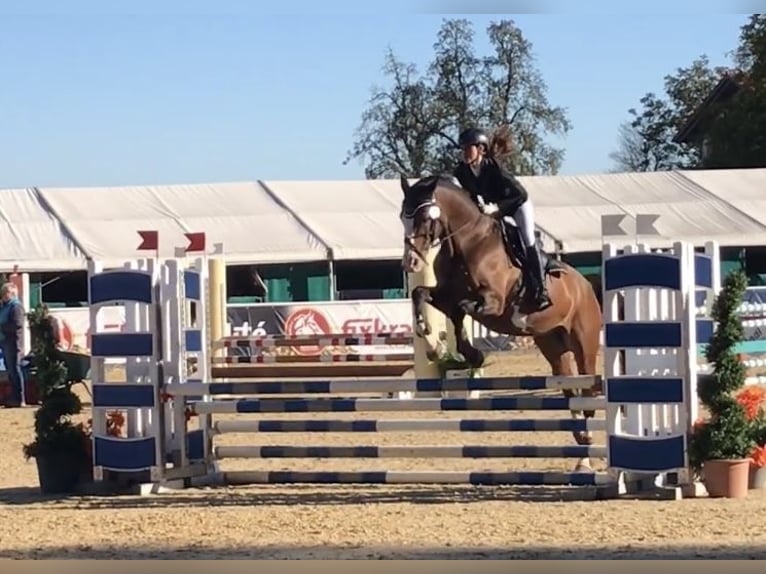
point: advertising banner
(348, 318)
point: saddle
(517, 251)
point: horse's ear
(404, 183)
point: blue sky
(177, 92)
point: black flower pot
(59, 472)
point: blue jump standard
(642, 270)
(121, 285)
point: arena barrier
(329, 355)
(311, 354)
(646, 440)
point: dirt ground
(385, 522)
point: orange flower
(751, 398)
(759, 456)
(115, 420)
(753, 393)
(117, 417)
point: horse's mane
(428, 184)
(449, 182)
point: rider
(482, 176)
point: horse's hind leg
(561, 354)
(586, 344)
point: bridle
(430, 235)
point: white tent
(296, 221)
(251, 225)
(32, 237)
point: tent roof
(356, 219)
(32, 237)
(743, 190)
(296, 221)
(570, 208)
(251, 225)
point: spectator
(12, 316)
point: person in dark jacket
(12, 316)
(482, 176)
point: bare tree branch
(415, 121)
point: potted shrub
(61, 448)
(721, 446)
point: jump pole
(216, 305)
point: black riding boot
(536, 272)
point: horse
(477, 275)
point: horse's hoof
(469, 307)
(474, 358)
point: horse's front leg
(434, 296)
(472, 355)
(488, 302)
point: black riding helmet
(473, 136)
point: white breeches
(525, 220)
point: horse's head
(423, 219)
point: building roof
(724, 90)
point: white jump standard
(646, 420)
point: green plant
(55, 432)
(728, 433)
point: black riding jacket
(494, 184)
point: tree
(412, 125)
(737, 136)
(735, 128)
(648, 143)
(630, 155)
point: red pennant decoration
(196, 242)
(149, 240)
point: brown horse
(477, 276)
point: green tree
(737, 132)
(412, 125)
(646, 140)
(735, 128)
